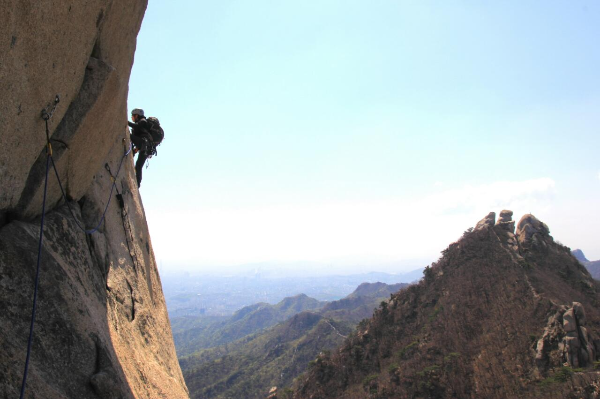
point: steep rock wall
(102, 329)
(82, 51)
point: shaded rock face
(499, 315)
(487, 221)
(531, 233)
(102, 329)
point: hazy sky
(360, 132)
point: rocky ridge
(501, 314)
(102, 329)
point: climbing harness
(46, 116)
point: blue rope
(109, 198)
(46, 116)
(37, 275)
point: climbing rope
(114, 182)
(47, 115)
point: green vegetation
(368, 379)
(209, 331)
(250, 366)
(408, 350)
(428, 370)
(435, 313)
(428, 381)
(362, 324)
(467, 231)
(370, 383)
(450, 360)
(428, 273)
(562, 375)
(451, 356)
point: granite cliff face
(502, 314)
(102, 329)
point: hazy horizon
(292, 269)
(354, 134)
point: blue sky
(362, 133)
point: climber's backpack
(157, 132)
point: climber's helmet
(137, 111)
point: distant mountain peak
(502, 313)
(578, 254)
(592, 266)
(377, 289)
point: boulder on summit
(499, 315)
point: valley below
(257, 335)
(265, 345)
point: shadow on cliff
(72, 353)
(102, 329)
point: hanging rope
(49, 159)
(37, 271)
(114, 182)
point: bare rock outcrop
(505, 221)
(532, 233)
(505, 227)
(102, 329)
(487, 221)
(272, 393)
(566, 340)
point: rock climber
(142, 140)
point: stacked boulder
(578, 344)
(507, 225)
(531, 233)
(487, 221)
(566, 339)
